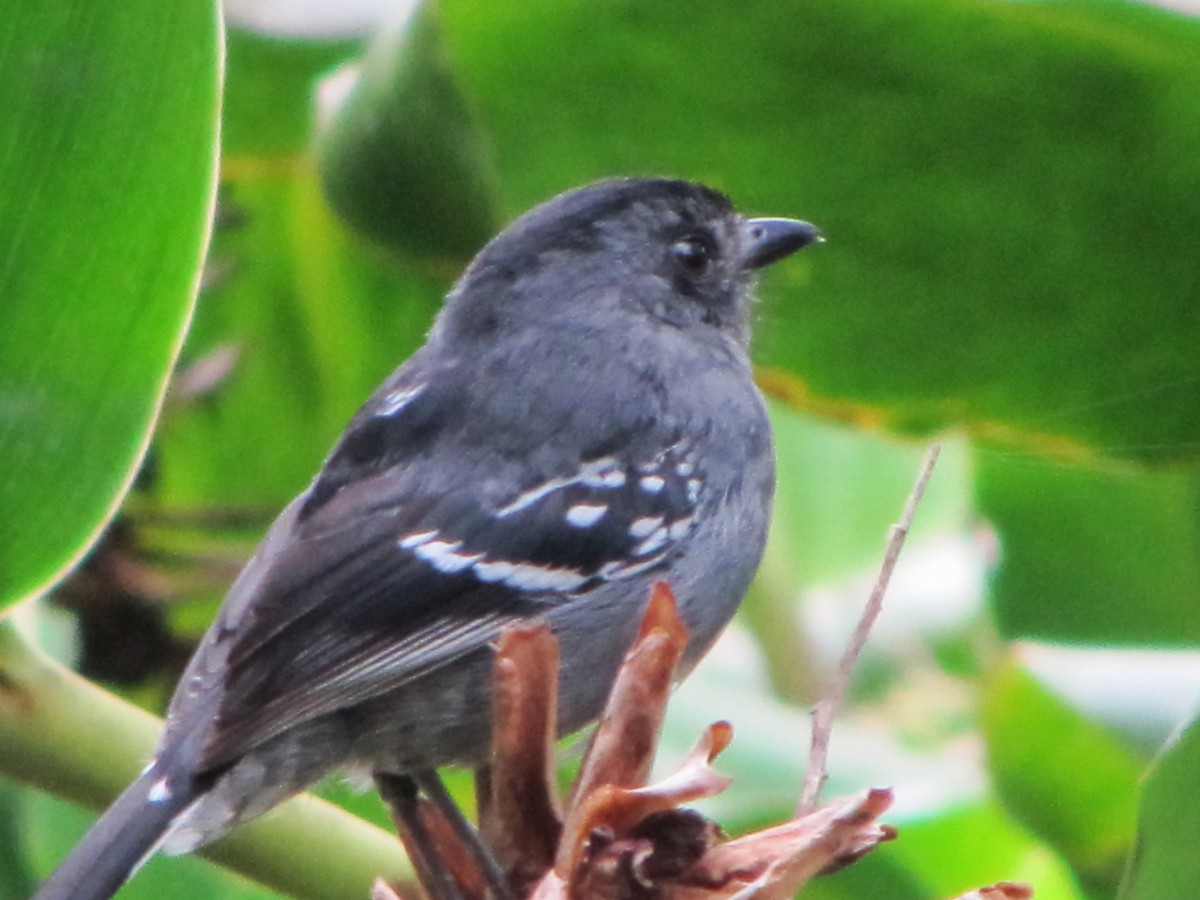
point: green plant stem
(65, 735)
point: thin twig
(826, 708)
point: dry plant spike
(776, 862)
(712, 744)
(622, 749)
(662, 614)
(519, 821)
(695, 778)
(617, 810)
(826, 708)
(1003, 890)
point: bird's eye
(694, 254)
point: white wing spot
(585, 515)
(398, 399)
(685, 467)
(605, 472)
(654, 542)
(443, 556)
(415, 540)
(532, 496)
(159, 792)
(652, 484)
(614, 571)
(693, 490)
(679, 528)
(529, 577)
(644, 527)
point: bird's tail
(121, 840)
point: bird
(581, 421)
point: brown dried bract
(518, 804)
(622, 750)
(776, 862)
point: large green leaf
(1011, 190)
(1105, 556)
(1065, 777)
(977, 844)
(107, 172)
(1165, 865)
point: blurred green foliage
(1012, 196)
(106, 190)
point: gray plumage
(581, 421)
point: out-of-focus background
(1011, 196)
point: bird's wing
(402, 556)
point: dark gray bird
(580, 422)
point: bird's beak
(770, 240)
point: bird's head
(673, 250)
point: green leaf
(878, 875)
(1010, 190)
(16, 879)
(1164, 864)
(977, 844)
(316, 322)
(403, 159)
(107, 173)
(1093, 555)
(1063, 776)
